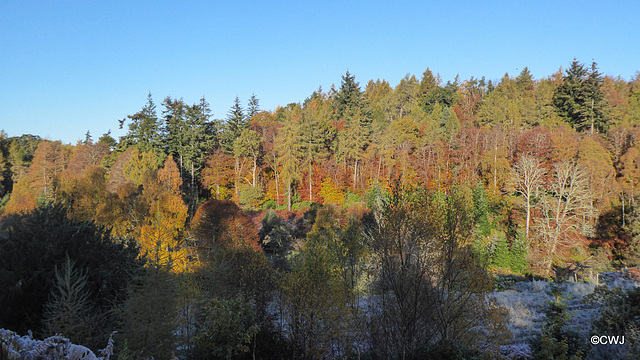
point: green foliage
(148, 317)
(269, 204)
(33, 244)
(352, 199)
(557, 341)
(68, 310)
(481, 211)
(445, 96)
(619, 314)
(498, 252)
(250, 195)
(579, 100)
(301, 205)
(512, 257)
(375, 197)
(4, 200)
(144, 129)
(236, 122)
(226, 329)
(108, 140)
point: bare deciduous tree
(567, 202)
(527, 176)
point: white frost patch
(18, 347)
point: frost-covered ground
(527, 300)
(16, 347)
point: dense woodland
(363, 222)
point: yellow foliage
(139, 166)
(331, 193)
(161, 235)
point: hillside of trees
(363, 222)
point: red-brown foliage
(221, 222)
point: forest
(365, 222)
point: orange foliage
(49, 161)
(218, 175)
(221, 222)
(117, 177)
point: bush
(302, 205)
(226, 330)
(353, 199)
(557, 340)
(619, 315)
(250, 195)
(269, 204)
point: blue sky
(71, 66)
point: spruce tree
(236, 122)
(253, 107)
(579, 99)
(144, 129)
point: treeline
(343, 145)
(390, 204)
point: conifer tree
(144, 129)
(68, 311)
(579, 98)
(236, 122)
(289, 152)
(253, 107)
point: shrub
(619, 315)
(250, 195)
(269, 204)
(301, 205)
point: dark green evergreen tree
(108, 140)
(253, 107)
(236, 122)
(481, 211)
(428, 83)
(189, 136)
(349, 99)
(579, 100)
(525, 80)
(445, 96)
(350, 106)
(175, 128)
(144, 129)
(33, 244)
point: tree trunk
(289, 195)
(355, 175)
(528, 212)
(255, 167)
(310, 182)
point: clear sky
(71, 66)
